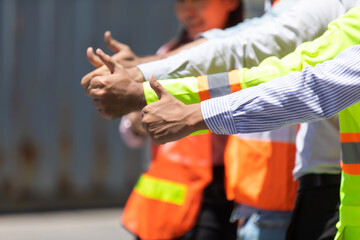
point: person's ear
(232, 4)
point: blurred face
(201, 15)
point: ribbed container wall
(55, 149)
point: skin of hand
(122, 53)
(116, 94)
(169, 119)
(134, 73)
(136, 125)
(124, 56)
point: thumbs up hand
(115, 94)
(169, 119)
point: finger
(111, 43)
(85, 81)
(108, 61)
(93, 59)
(102, 71)
(97, 93)
(96, 82)
(157, 87)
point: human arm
(277, 37)
(341, 34)
(179, 120)
(127, 58)
(313, 94)
(316, 93)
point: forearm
(314, 94)
(342, 33)
(189, 45)
(196, 89)
(147, 59)
(248, 48)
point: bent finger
(97, 93)
(85, 81)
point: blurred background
(56, 152)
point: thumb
(92, 58)
(108, 61)
(157, 87)
(111, 43)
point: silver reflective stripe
(350, 152)
(219, 85)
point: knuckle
(100, 93)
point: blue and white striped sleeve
(313, 94)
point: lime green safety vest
(349, 224)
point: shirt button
(222, 130)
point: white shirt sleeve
(305, 21)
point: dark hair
(236, 16)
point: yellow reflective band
(200, 132)
(161, 190)
(349, 119)
(184, 89)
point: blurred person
(181, 195)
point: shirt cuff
(218, 116)
(153, 68)
(145, 69)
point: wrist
(195, 119)
(138, 96)
(136, 74)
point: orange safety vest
(258, 169)
(167, 199)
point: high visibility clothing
(349, 222)
(167, 198)
(258, 169)
(341, 34)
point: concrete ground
(65, 225)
